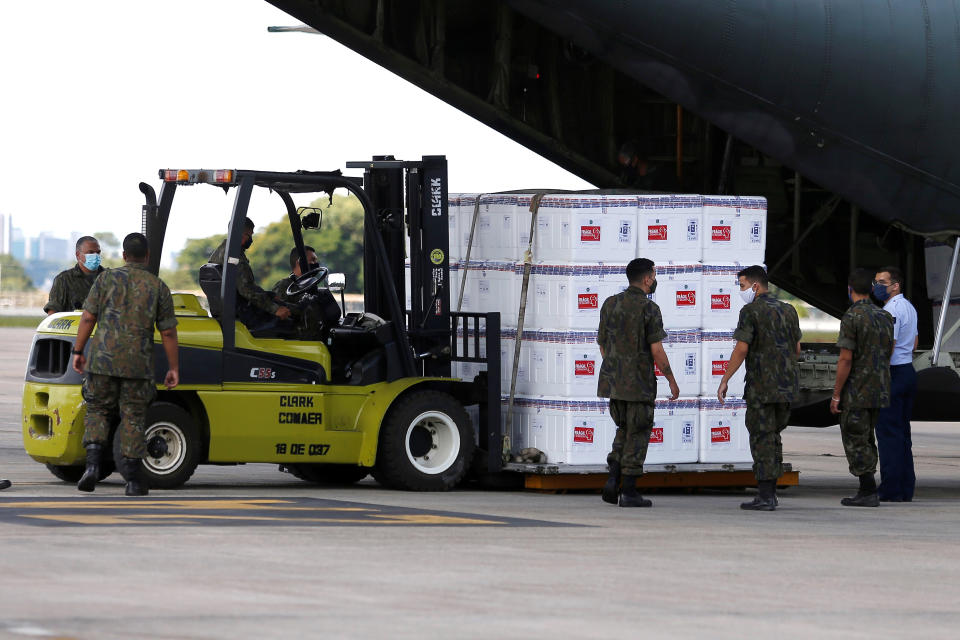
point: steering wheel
(306, 280)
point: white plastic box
(675, 435)
(490, 286)
(569, 296)
(716, 349)
(569, 431)
(679, 295)
(723, 432)
(581, 228)
(670, 228)
(721, 296)
(561, 363)
(734, 229)
(683, 350)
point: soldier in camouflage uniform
(70, 287)
(862, 386)
(630, 336)
(256, 308)
(312, 315)
(125, 304)
(768, 339)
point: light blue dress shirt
(904, 328)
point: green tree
(193, 255)
(338, 242)
(109, 244)
(12, 275)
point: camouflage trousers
(765, 421)
(106, 396)
(634, 421)
(859, 442)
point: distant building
(6, 233)
(48, 248)
(18, 245)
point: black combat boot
(629, 496)
(766, 499)
(612, 487)
(92, 473)
(866, 496)
(133, 474)
(4, 484)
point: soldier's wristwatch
(77, 353)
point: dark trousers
(897, 478)
(634, 422)
(764, 422)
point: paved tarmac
(248, 552)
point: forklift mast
(411, 198)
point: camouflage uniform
(247, 288)
(314, 319)
(867, 331)
(70, 289)
(772, 330)
(629, 323)
(128, 302)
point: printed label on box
(690, 364)
(590, 233)
(720, 233)
(756, 233)
(584, 367)
(719, 301)
(588, 301)
(583, 434)
(719, 367)
(656, 435)
(626, 231)
(687, 298)
(720, 434)
(657, 233)
(693, 230)
(686, 432)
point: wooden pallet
(546, 477)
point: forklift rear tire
(173, 446)
(71, 473)
(426, 443)
(334, 475)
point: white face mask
(748, 295)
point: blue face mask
(880, 292)
(91, 261)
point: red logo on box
(583, 434)
(687, 298)
(590, 234)
(720, 233)
(719, 434)
(656, 370)
(583, 367)
(657, 232)
(656, 435)
(720, 301)
(719, 367)
(587, 301)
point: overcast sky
(98, 95)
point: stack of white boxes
(582, 244)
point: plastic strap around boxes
(527, 264)
(466, 260)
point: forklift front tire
(426, 443)
(173, 446)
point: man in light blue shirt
(897, 478)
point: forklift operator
(313, 313)
(256, 308)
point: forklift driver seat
(210, 279)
